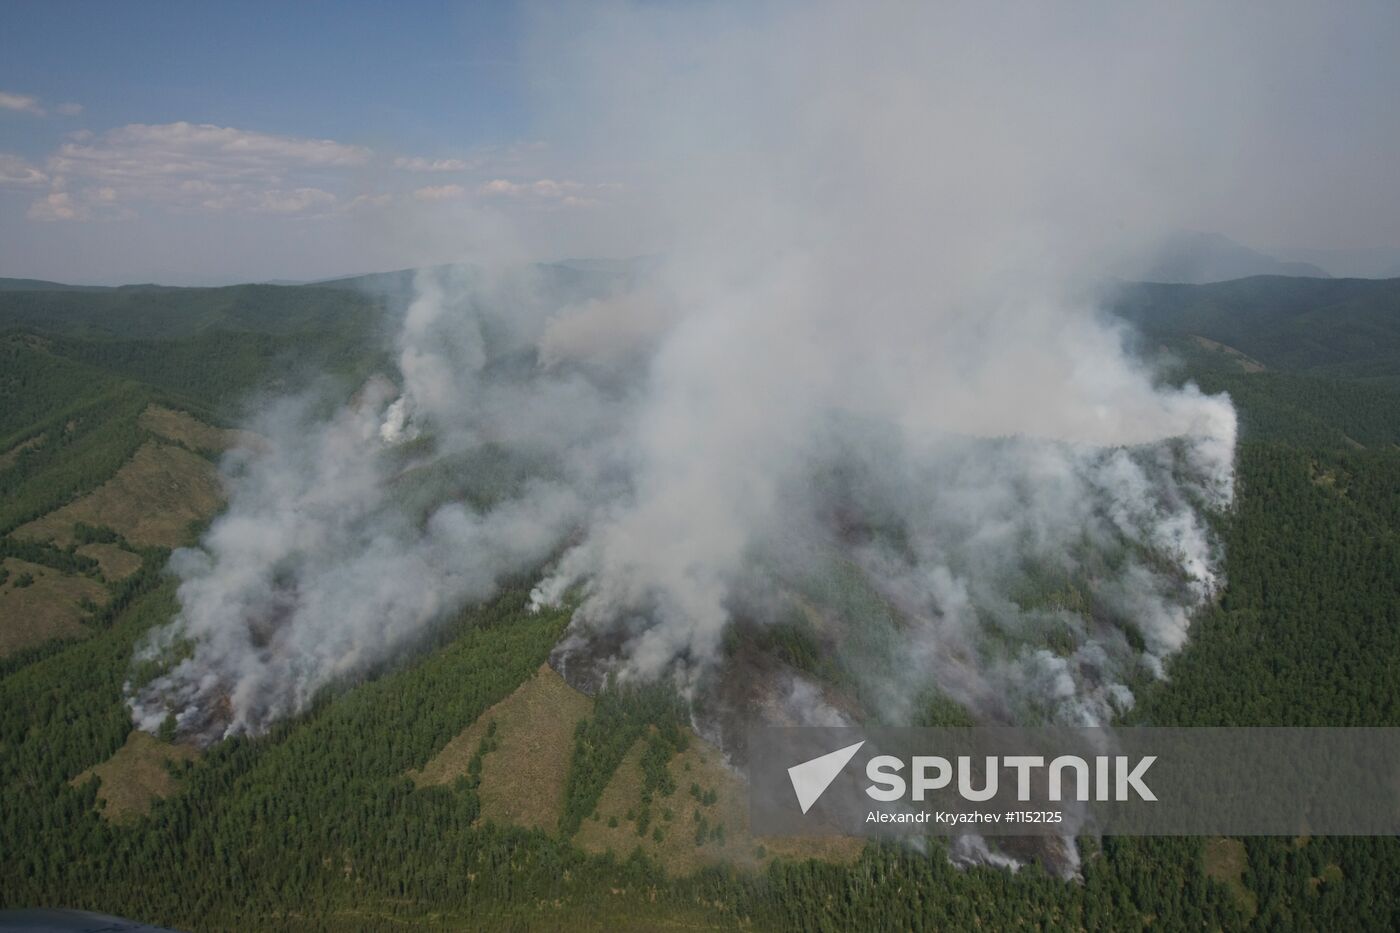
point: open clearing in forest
(139, 772)
(152, 501)
(51, 606)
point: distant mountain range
(1182, 258)
(40, 285)
(1351, 263)
(1195, 258)
(1198, 258)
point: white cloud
(543, 188)
(188, 166)
(420, 164)
(440, 193)
(20, 103)
(177, 150)
(25, 103)
(296, 201)
(363, 201)
(90, 203)
(546, 192)
(514, 158)
(16, 171)
(57, 205)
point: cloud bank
(186, 169)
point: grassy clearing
(524, 774)
(704, 822)
(1226, 861)
(183, 428)
(152, 500)
(1331, 875)
(451, 763)
(522, 779)
(10, 457)
(115, 561)
(518, 757)
(1243, 360)
(131, 780)
(38, 603)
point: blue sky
(426, 75)
(195, 143)
(424, 99)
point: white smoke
(343, 542)
(869, 354)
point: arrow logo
(811, 778)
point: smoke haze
(867, 384)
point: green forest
(317, 825)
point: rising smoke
(867, 390)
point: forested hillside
(383, 806)
(1337, 328)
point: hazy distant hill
(1197, 258)
(40, 285)
(1336, 327)
(558, 274)
(1371, 263)
(158, 312)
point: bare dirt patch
(151, 501)
(49, 606)
(136, 775)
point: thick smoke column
(868, 384)
(347, 537)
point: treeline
(38, 389)
(77, 452)
(1309, 411)
(60, 715)
(1339, 328)
(205, 348)
(1308, 629)
(621, 716)
(66, 560)
(215, 370)
(144, 313)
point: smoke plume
(866, 393)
